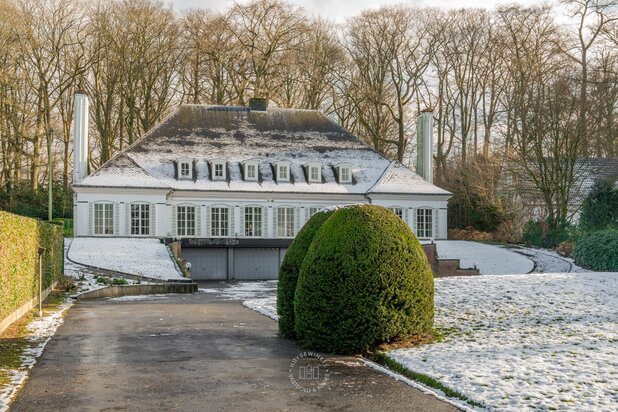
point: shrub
(365, 280)
(290, 268)
(597, 250)
(119, 281)
(600, 208)
(20, 239)
(541, 234)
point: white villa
(235, 185)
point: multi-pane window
(140, 219)
(251, 171)
(103, 218)
(185, 169)
(285, 221)
(397, 210)
(424, 223)
(313, 210)
(219, 221)
(345, 175)
(283, 173)
(218, 170)
(314, 174)
(185, 220)
(253, 221)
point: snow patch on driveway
(142, 257)
(489, 259)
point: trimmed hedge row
(20, 239)
(598, 250)
(364, 280)
(290, 268)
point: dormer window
(184, 169)
(314, 173)
(283, 172)
(251, 171)
(345, 174)
(218, 170)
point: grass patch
(384, 360)
(14, 340)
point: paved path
(193, 353)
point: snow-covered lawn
(522, 342)
(144, 257)
(489, 259)
(526, 342)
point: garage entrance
(234, 259)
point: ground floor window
(314, 209)
(397, 210)
(185, 219)
(285, 221)
(424, 223)
(253, 221)
(103, 218)
(140, 219)
(219, 221)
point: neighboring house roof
(237, 134)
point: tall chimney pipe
(424, 149)
(80, 137)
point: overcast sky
(339, 10)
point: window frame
(215, 164)
(316, 208)
(283, 166)
(217, 229)
(348, 170)
(310, 169)
(287, 230)
(143, 222)
(184, 211)
(189, 165)
(254, 212)
(424, 228)
(107, 218)
(398, 210)
(253, 165)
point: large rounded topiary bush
(290, 268)
(597, 250)
(365, 280)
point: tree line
(523, 87)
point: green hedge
(597, 250)
(365, 280)
(290, 268)
(20, 239)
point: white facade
(425, 215)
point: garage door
(207, 263)
(256, 263)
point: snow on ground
(132, 298)
(526, 342)
(245, 290)
(546, 260)
(40, 332)
(265, 306)
(489, 259)
(143, 257)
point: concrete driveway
(193, 353)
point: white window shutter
(116, 219)
(231, 221)
(307, 213)
(174, 220)
(296, 220)
(436, 223)
(405, 215)
(414, 216)
(152, 230)
(275, 219)
(264, 213)
(208, 230)
(198, 221)
(127, 219)
(90, 218)
(241, 229)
